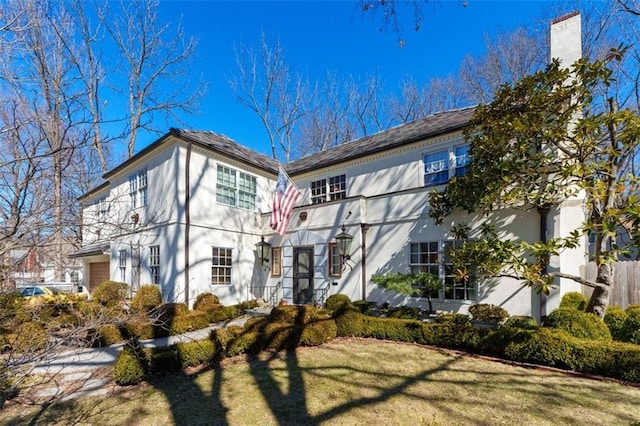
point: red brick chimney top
(565, 17)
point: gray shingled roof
(228, 147)
(430, 126)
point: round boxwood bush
(129, 368)
(630, 331)
(337, 301)
(194, 320)
(147, 298)
(573, 300)
(110, 293)
(523, 322)
(107, 335)
(205, 300)
(578, 324)
(614, 318)
(488, 313)
(29, 337)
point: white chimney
(566, 39)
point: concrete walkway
(79, 373)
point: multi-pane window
(154, 264)
(276, 261)
(102, 207)
(122, 263)
(138, 189)
(334, 188)
(454, 288)
(436, 168)
(221, 261)
(235, 188)
(335, 261)
(462, 159)
(434, 257)
(319, 191)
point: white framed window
(122, 263)
(138, 189)
(221, 265)
(154, 264)
(334, 188)
(436, 168)
(102, 207)
(276, 261)
(335, 261)
(462, 159)
(235, 188)
(433, 257)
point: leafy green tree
(421, 284)
(556, 135)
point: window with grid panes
(221, 262)
(154, 264)
(462, 159)
(433, 257)
(138, 189)
(319, 191)
(122, 260)
(276, 261)
(436, 168)
(335, 261)
(226, 186)
(337, 187)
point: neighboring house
(30, 263)
(187, 212)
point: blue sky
(322, 36)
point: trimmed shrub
(110, 293)
(337, 301)
(107, 335)
(219, 313)
(574, 300)
(633, 307)
(194, 320)
(614, 319)
(524, 322)
(29, 337)
(147, 298)
(163, 360)
(630, 331)
(249, 341)
(319, 332)
(578, 324)
(142, 328)
(291, 314)
(404, 312)
(544, 346)
(129, 368)
(364, 306)
(192, 354)
(205, 300)
(488, 313)
(455, 319)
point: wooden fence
(626, 279)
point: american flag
(284, 200)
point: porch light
(262, 250)
(343, 241)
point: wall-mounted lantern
(343, 241)
(262, 250)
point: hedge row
(537, 345)
(286, 328)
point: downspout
(187, 221)
(364, 227)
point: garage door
(98, 273)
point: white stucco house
(187, 212)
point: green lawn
(348, 382)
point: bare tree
(156, 62)
(265, 84)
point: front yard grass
(352, 381)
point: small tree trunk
(600, 298)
